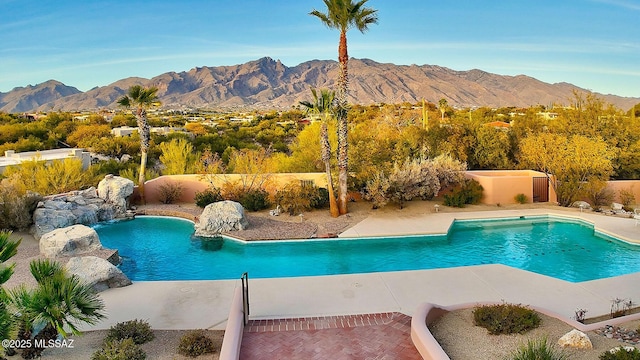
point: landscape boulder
(575, 339)
(581, 205)
(63, 210)
(115, 190)
(617, 206)
(220, 217)
(69, 241)
(97, 272)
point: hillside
(267, 83)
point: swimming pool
(163, 248)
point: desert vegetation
(582, 145)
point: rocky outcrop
(220, 217)
(97, 272)
(83, 207)
(69, 241)
(115, 190)
(575, 339)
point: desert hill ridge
(268, 84)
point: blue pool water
(162, 248)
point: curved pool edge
(622, 228)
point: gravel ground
(462, 340)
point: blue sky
(594, 44)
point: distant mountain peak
(267, 83)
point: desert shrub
(124, 349)
(626, 197)
(521, 199)
(208, 196)
(170, 192)
(295, 198)
(320, 199)
(16, 206)
(137, 330)
(232, 190)
(414, 178)
(598, 193)
(195, 343)
(620, 307)
(470, 192)
(621, 353)
(580, 315)
(48, 179)
(540, 349)
(255, 200)
(376, 190)
(506, 318)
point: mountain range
(268, 84)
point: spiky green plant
(56, 306)
(8, 249)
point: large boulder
(575, 339)
(115, 190)
(220, 217)
(63, 210)
(69, 241)
(97, 272)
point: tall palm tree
(344, 15)
(141, 98)
(323, 106)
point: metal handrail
(245, 296)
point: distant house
(548, 115)
(12, 158)
(129, 130)
(499, 124)
(123, 131)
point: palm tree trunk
(326, 157)
(141, 175)
(143, 129)
(341, 96)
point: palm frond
(8, 247)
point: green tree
(141, 98)
(444, 106)
(178, 157)
(492, 148)
(323, 105)
(570, 163)
(85, 136)
(344, 15)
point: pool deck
(205, 304)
